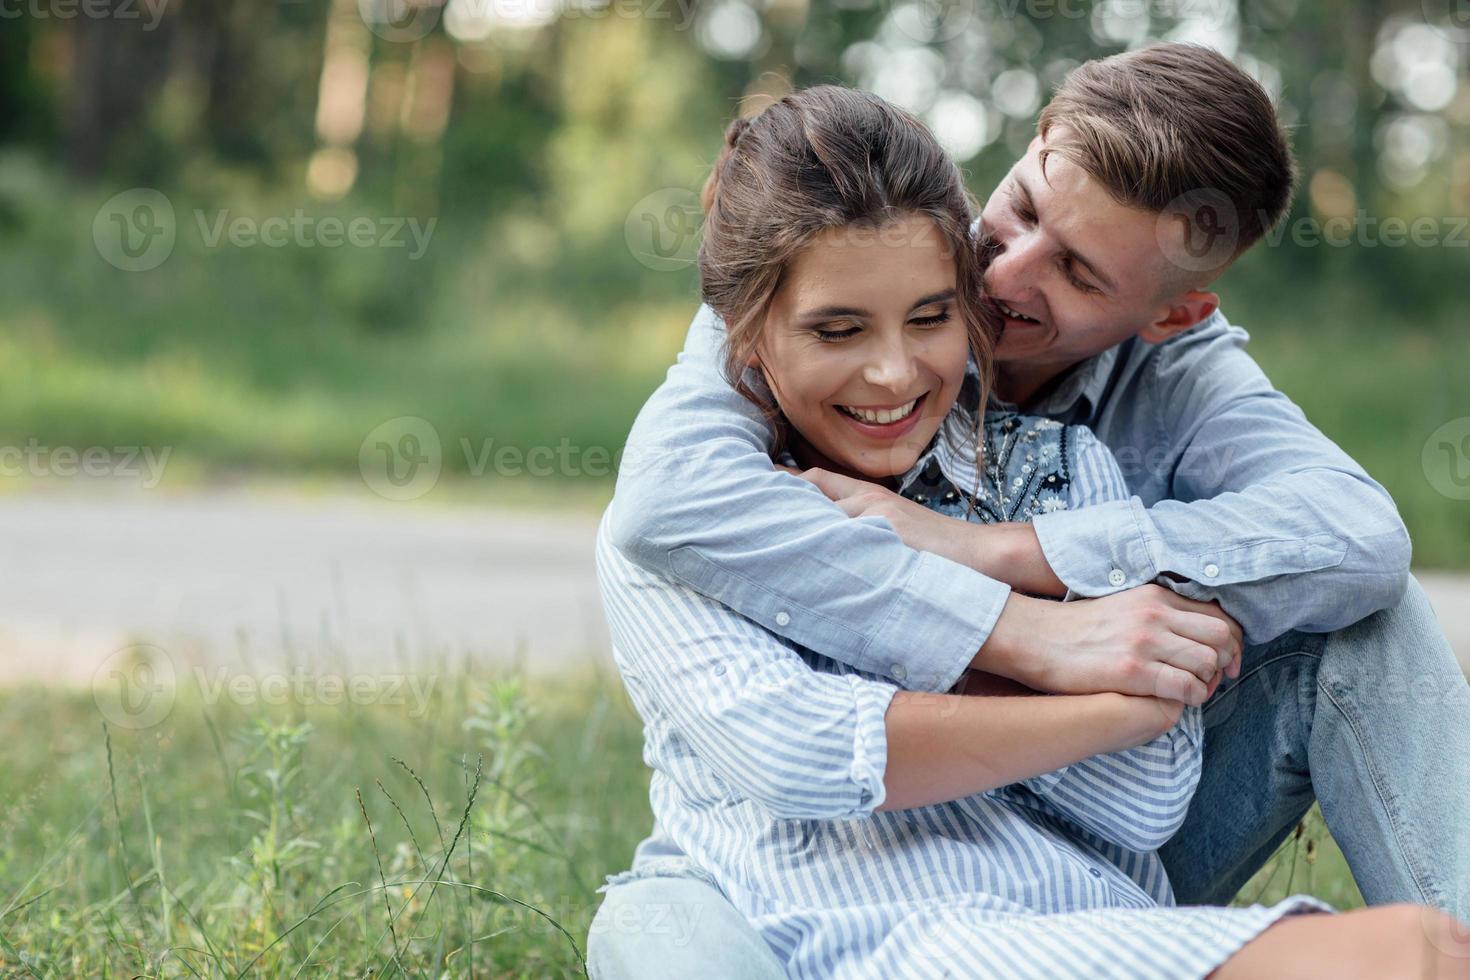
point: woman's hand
(919, 527)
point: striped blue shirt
(768, 765)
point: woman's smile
(883, 421)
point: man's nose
(1014, 268)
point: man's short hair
(1172, 123)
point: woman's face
(864, 348)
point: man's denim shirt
(1235, 497)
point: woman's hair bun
(735, 130)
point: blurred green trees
(558, 147)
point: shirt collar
(1077, 395)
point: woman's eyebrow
(933, 298)
(825, 312)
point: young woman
(860, 828)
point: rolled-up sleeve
(801, 743)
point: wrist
(1010, 649)
(1137, 719)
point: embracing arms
(699, 501)
(808, 744)
(1296, 535)
(1238, 498)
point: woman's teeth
(881, 416)
(1014, 315)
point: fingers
(1197, 658)
(834, 485)
(1214, 685)
(1209, 632)
(1178, 685)
(1211, 609)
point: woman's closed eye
(831, 332)
(931, 320)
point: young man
(1151, 171)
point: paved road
(265, 582)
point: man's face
(1082, 271)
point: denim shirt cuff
(1097, 550)
(937, 625)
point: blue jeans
(1372, 721)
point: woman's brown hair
(825, 157)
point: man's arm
(806, 744)
(1265, 514)
(699, 501)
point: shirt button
(720, 669)
(898, 672)
(1116, 577)
(1211, 570)
(783, 618)
(1094, 872)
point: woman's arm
(945, 747)
(805, 744)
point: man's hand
(1147, 641)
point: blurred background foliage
(558, 147)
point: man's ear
(1180, 315)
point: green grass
(232, 838)
(229, 839)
